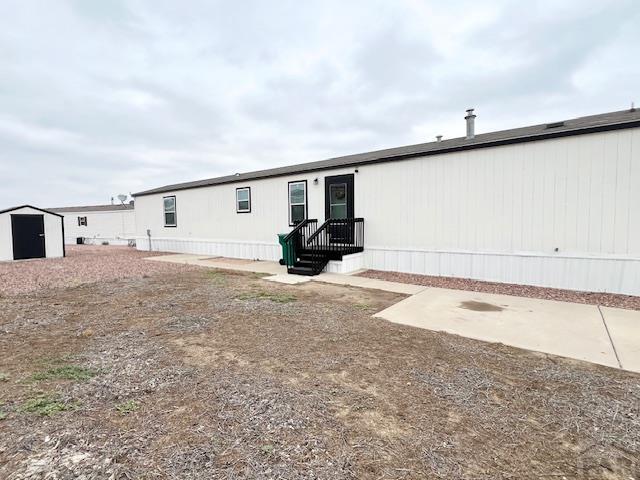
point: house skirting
(213, 248)
(587, 273)
(349, 264)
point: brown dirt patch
(218, 379)
(630, 302)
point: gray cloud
(100, 98)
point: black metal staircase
(312, 247)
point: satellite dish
(122, 198)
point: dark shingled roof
(93, 208)
(6, 210)
(577, 126)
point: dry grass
(209, 377)
(277, 297)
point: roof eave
(390, 158)
(7, 210)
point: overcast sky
(100, 97)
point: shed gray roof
(576, 126)
(93, 208)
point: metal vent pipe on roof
(438, 138)
(470, 118)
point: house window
(297, 202)
(82, 221)
(243, 200)
(169, 211)
(338, 200)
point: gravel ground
(592, 298)
(83, 264)
(221, 375)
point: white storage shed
(30, 232)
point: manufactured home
(98, 224)
(553, 205)
(29, 232)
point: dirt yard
(221, 375)
(83, 264)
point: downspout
(149, 236)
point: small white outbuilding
(98, 224)
(30, 232)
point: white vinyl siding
(114, 226)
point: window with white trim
(82, 221)
(297, 202)
(169, 211)
(243, 200)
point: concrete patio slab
(256, 266)
(567, 329)
(280, 271)
(288, 279)
(624, 329)
(176, 258)
(363, 282)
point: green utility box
(288, 254)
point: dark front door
(339, 204)
(28, 236)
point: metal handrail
(319, 230)
(299, 227)
(333, 221)
(314, 246)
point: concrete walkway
(273, 268)
(603, 335)
(279, 273)
(608, 336)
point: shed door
(28, 236)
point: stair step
(304, 263)
(308, 271)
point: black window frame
(175, 212)
(238, 201)
(82, 221)
(306, 201)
